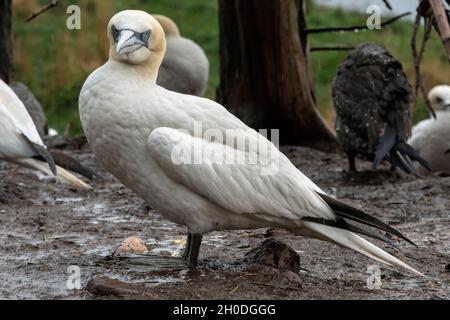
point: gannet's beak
(129, 42)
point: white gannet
(185, 68)
(20, 142)
(431, 138)
(139, 132)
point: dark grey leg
(187, 248)
(193, 249)
(189, 258)
(352, 164)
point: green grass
(54, 62)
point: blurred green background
(54, 62)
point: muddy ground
(45, 227)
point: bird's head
(136, 38)
(440, 98)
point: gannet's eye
(439, 100)
(115, 33)
(145, 36)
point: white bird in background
(136, 128)
(185, 68)
(431, 138)
(20, 142)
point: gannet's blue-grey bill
(128, 41)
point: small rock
(274, 254)
(132, 245)
(104, 286)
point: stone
(275, 254)
(132, 245)
(104, 286)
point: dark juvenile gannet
(185, 68)
(20, 142)
(136, 129)
(431, 138)
(372, 98)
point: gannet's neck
(146, 71)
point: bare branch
(442, 21)
(334, 48)
(48, 6)
(418, 57)
(388, 5)
(354, 28)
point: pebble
(132, 245)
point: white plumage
(20, 142)
(135, 128)
(185, 68)
(431, 137)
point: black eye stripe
(143, 36)
(115, 33)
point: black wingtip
(407, 150)
(347, 212)
(43, 153)
(398, 161)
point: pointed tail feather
(62, 174)
(353, 227)
(69, 163)
(354, 242)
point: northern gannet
(372, 99)
(20, 142)
(185, 68)
(431, 138)
(143, 134)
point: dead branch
(440, 15)
(388, 5)
(418, 57)
(48, 6)
(333, 48)
(354, 28)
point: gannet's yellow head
(170, 27)
(136, 38)
(440, 98)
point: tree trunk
(5, 40)
(265, 78)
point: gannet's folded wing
(276, 196)
(14, 142)
(17, 114)
(240, 181)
